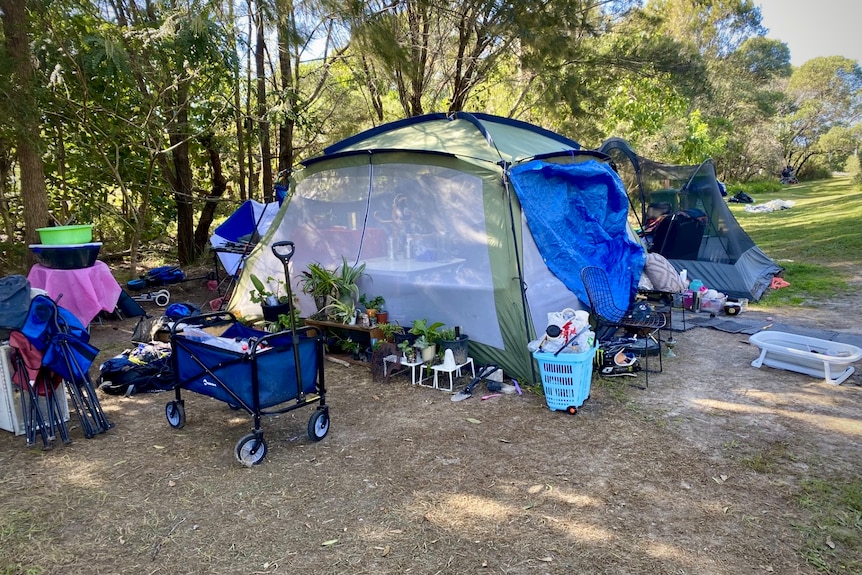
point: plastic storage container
(71, 257)
(713, 305)
(66, 235)
(566, 378)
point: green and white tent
(472, 220)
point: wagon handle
(283, 256)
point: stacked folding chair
(51, 347)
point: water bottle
(235, 344)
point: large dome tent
(432, 206)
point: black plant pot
(271, 312)
(399, 337)
(458, 346)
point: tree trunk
(182, 177)
(5, 177)
(34, 195)
(238, 118)
(219, 186)
(263, 123)
(288, 90)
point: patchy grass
(833, 543)
(768, 459)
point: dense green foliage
(159, 117)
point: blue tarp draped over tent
(578, 214)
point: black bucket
(271, 312)
(458, 346)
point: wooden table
(363, 335)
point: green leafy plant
(448, 334)
(347, 280)
(431, 332)
(389, 330)
(318, 282)
(284, 320)
(421, 342)
(350, 346)
(377, 302)
(272, 292)
(341, 311)
(407, 350)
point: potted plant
(429, 334)
(430, 331)
(374, 308)
(272, 297)
(407, 351)
(452, 338)
(350, 347)
(427, 350)
(346, 281)
(319, 283)
(283, 322)
(342, 312)
(389, 331)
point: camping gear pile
(565, 358)
(144, 368)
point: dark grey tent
(681, 212)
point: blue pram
(274, 376)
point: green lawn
(817, 241)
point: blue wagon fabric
(231, 371)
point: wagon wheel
(571, 410)
(318, 424)
(251, 449)
(175, 412)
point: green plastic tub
(66, 235)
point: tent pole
(521, 287)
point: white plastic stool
(404, 363)
(449, 366)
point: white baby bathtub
(808, 355)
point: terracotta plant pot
(382, 317)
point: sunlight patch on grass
(827, 423)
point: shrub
(754, 188)
(852, 168)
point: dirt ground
(699, 474)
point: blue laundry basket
(566, 378)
